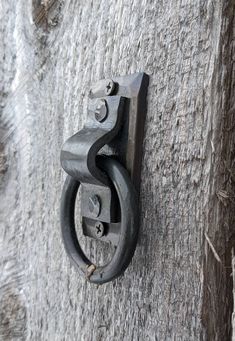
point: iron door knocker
(105, 159)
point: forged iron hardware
(104, 159)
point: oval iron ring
(128, 231)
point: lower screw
(99, 229)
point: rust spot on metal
(90, 269)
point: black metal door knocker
(105, 159)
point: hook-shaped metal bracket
(79, 153)
(114, 126)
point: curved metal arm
(78, 154)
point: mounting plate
(126, 146)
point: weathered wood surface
(178, 286)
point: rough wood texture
(178, 286)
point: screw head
(101, 111)
(94, 205)
(99, 229)
(110, 85)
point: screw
(109, 87)
(101, 111)
(99, 229)
(94, 205)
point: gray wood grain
(178, 286)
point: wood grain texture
(178, 286)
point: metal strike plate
(126, 145)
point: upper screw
(110, 86)
(94, 205)
(101, 111)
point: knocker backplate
(127, 145)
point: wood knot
(12, 316)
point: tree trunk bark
(179, 284)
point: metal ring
(129, 224)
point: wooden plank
(175, 288)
